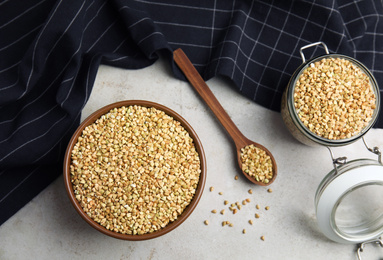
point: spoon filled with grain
(255, 161)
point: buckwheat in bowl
(134, 170)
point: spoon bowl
(204, 91)
(239, 145)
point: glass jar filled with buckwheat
(331, 100)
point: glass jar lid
(348, 202)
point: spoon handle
(204, 91)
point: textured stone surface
(49, 227)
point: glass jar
(348, 200)
(290, 115)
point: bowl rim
(187, 211)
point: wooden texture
(207, 95)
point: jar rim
(363, 231)
(299, 124)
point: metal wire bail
(337, 161)
(374, 150)
(311, 45)
(361, 246)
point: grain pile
(257, 163)
(134, 170)
(334, 98)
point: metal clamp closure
(374, 150)
(361, 246)
(343, 160)
(337, 161)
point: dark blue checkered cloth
(50, 51)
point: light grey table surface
(49, 228)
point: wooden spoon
(204, 91)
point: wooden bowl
(171, 225)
